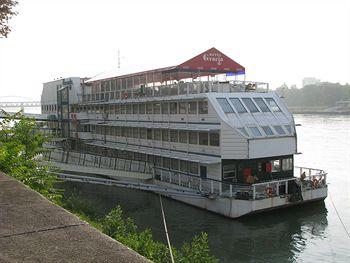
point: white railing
(99, 161)
(206, 186)
(180, 88)
(307, 179)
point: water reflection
(278, 236)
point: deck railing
(179, 88)
(307, 179)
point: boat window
(129, 132)
(122, 109)
(192, 107)
(261, 104)
(273, 105)
(183, 136)
(166, 162)
(142, 108)
(118, 131)
(276, 166)
(143, 133)
(158, 160)
(165, 108)
(182, 107)
(243, 131)
(214, 139)
(128, 108)
(279, 130)
(173, 107)
(156, 108)
(255, 131)
(287, 164)
(203, 138)
(157, 134)
(225, 106)
(183, 166)
(250, 105)
(193, 167)
(124, 132)
(267, 130)
(149, 134)
(289, 128)
(175, 164)
(165, 135)
(193, 137)
(174, 136)
(135, 109)
(149, 108)
(237, 104)
(135, 132)
(203, 107)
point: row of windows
(158, 161)
(190, 107)
(258, 132)
(123, 89)
(166, 135)
(50, 107)
(242, 105)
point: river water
(307, 233)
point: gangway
(128, 184)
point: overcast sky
(276, 41)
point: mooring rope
(166, 229)
(336, 210)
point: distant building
(310, 81)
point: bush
(21, 145)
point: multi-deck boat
(193, 132)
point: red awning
(208, 63)
(212, 60)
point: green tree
(6, 13)
(21, 146)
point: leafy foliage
(21, 145)
(123, 229)
(6, 13)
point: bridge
(19, 104)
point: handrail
(182, 88)
(206, 186)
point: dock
(32, 229)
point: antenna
(118, 58)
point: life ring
(315, 183)
(270, 191)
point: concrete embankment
(32, 229)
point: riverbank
(317, 110)
(34, 229)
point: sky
(277, 41)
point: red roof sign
(212, 60)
